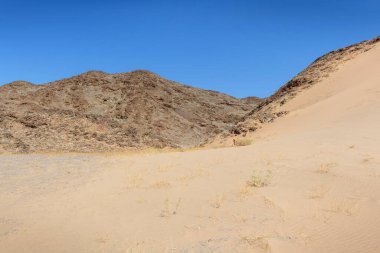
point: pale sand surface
(323, 193)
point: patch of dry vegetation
(347, 207)
(218, 200)
(163, 184)
(325, 168)
(242, 142)
(260, 179)
(257, 242)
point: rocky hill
(96, 111)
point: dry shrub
(260, 179)
(242, 142)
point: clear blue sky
(239, 47)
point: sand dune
(310, 182)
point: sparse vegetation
(242, 142)
(244, 191)
(347, 207)
(325, 168)
(169, 209)
(161, 184)
(218, 200)
(258, 242)
(260, 179)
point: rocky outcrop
(96, 111)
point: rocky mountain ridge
(96, 111)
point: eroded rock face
(96, 111)
(271, 108)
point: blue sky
(239, 47)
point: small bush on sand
(260, 179)
(242, 142)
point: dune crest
(273, 107)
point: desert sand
(309, 182)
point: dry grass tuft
(218, 200)
(242, 142)
(161, 184)
(260, 179)
(258, 242)
(244, 192)
(325, 168)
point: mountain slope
(96, 111)
(272, 107)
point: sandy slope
(323, 193)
